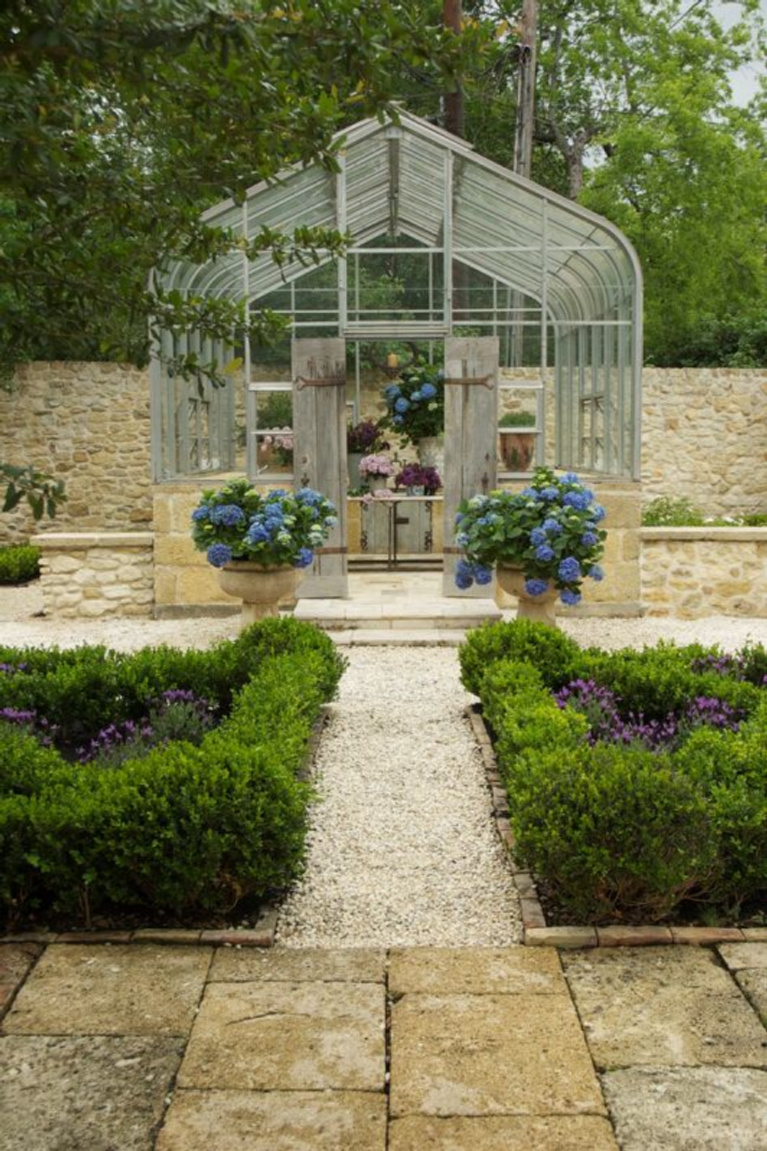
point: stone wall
(96, 574)
(87, 424)
(694, 572)
(705, 437)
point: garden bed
(159, 789)
(636, 781)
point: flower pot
(258, 586)
(431, 453)
(538, 608)
(517, 450)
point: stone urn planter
(538, 608)
(517, 450)
(260, 588)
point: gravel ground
(402, 851)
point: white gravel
(402, 850)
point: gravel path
(402, 851)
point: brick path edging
(537, 933)
(261, 935)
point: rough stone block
(662, 1006)
(740, 955)
(698, 1109)
(503, 1133)
(476, 971)
(121, 990)
(265, 1036)
(301, 965)
(275, 1121)
(84, 1094)
(754, 982)
(489, 1055)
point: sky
(745, 82)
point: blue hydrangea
(529, 493)
(570, 478)
(571, 598)
(277, 494)
(483, 521)
(331, 521)
(398, 420)
(588, 539)
(219, 555)
(415, 397)
(598, 512)
(536, 586)
(199, 515)
(569, 569)
(553, 527)
(304, 558)
(228, 515)
(309, 496)
(462, 539)
(391, 391)
(595, 572)
(258, 533)
(428, 391)
(483, 575)
(578, 500)
(464, 576)
(544, 553)
(550, 493)
(401, 405)
(537, 536)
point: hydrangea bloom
(201, 514)
(578, 500)
(544, 553)
(571, 598)
(536, 586)
(401, 405)
(569, 570)
(598, 513)
(552, 526)
(588, 539)
(463, 575)
(257, 532)
(595, 572)
(304, 558)
(483, 575)
(428, 391)
(219, 555)
(538, 536)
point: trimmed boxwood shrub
(19, 563)
(185, 830)
(623, 830)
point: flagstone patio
(149, 1048)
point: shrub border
(536, 932)
(262, 935)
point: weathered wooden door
(471, 431)
(319, 453)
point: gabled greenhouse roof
(412, 179)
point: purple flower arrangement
(601, 707)
(279, 529)
(550, 530)
(365, 437)
(376, 466)
(415, 476)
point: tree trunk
(452, 14)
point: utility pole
(452, 15)
(523, 141)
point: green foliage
(622, 832)
(275, 410)
(517, 420)
(666, 511)
(43, 493)
(554, 655)
(185, 829)
(730, 341)
(19, 563)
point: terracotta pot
(517, 450)
(260, 587)
(539, 608)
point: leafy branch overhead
(43, 493)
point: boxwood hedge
(186, 830)
(625, 831)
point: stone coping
(718, 534)
(537, 933)
(84, 541)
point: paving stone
(503, 1133)
(755, 934)
(266, 1036)
(275, 1121)
(475, 971)
(490, 1055)
(300, 965)
(131, 989)
(16, 960)
(93, 1093)
(754, 983)
(662, 1006)
(688, 1109)
(740, 955)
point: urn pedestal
(260, 588)
(538, 608)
